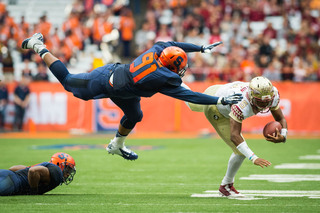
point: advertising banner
(51, 108)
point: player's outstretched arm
(189, 47)
(261, 162)
(192, 106)
(17, 167)
(242, 146)
(210, 48)
(187, 95)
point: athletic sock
(234, 164)
(43, 52)
(119, 139)
(40, 49)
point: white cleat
(123, 151)
(35, 43)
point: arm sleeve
(187, 47)
(187, 95)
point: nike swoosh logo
(126, 154)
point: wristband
(284, 132)
(246, 151)
(219, 100)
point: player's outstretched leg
(226, 188)
(132, 115)
(57, 68)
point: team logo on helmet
(66, 164)
(175, 59)
(261, 93)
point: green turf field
(164, 179)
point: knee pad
(130, 123)
(139, 118)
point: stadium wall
(51, 108)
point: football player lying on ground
(37, 179)
(258, 96)
(159, 69)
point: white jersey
(243, 109)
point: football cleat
(228, 190)
(35, 42)
(123, 151)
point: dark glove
(231, 99)
(209, 48)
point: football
(270, 128)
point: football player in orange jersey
(159, 69)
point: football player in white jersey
(259, 95)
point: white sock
(39, 47)
(119, 140)
(234, 164)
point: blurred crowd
(252, 44)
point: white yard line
(283, 178)
(263, 194)
(279, 192)
(310, 157)
(298, 166)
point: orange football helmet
(175, 59)
(66, 164)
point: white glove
(209, 48)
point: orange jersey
(44, 28)
(71, 23)
(127, 26)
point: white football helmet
(261, 93)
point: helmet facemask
(182, 71)
(262, 103)
(68, 171)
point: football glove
(231, 99)
(209, 48)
